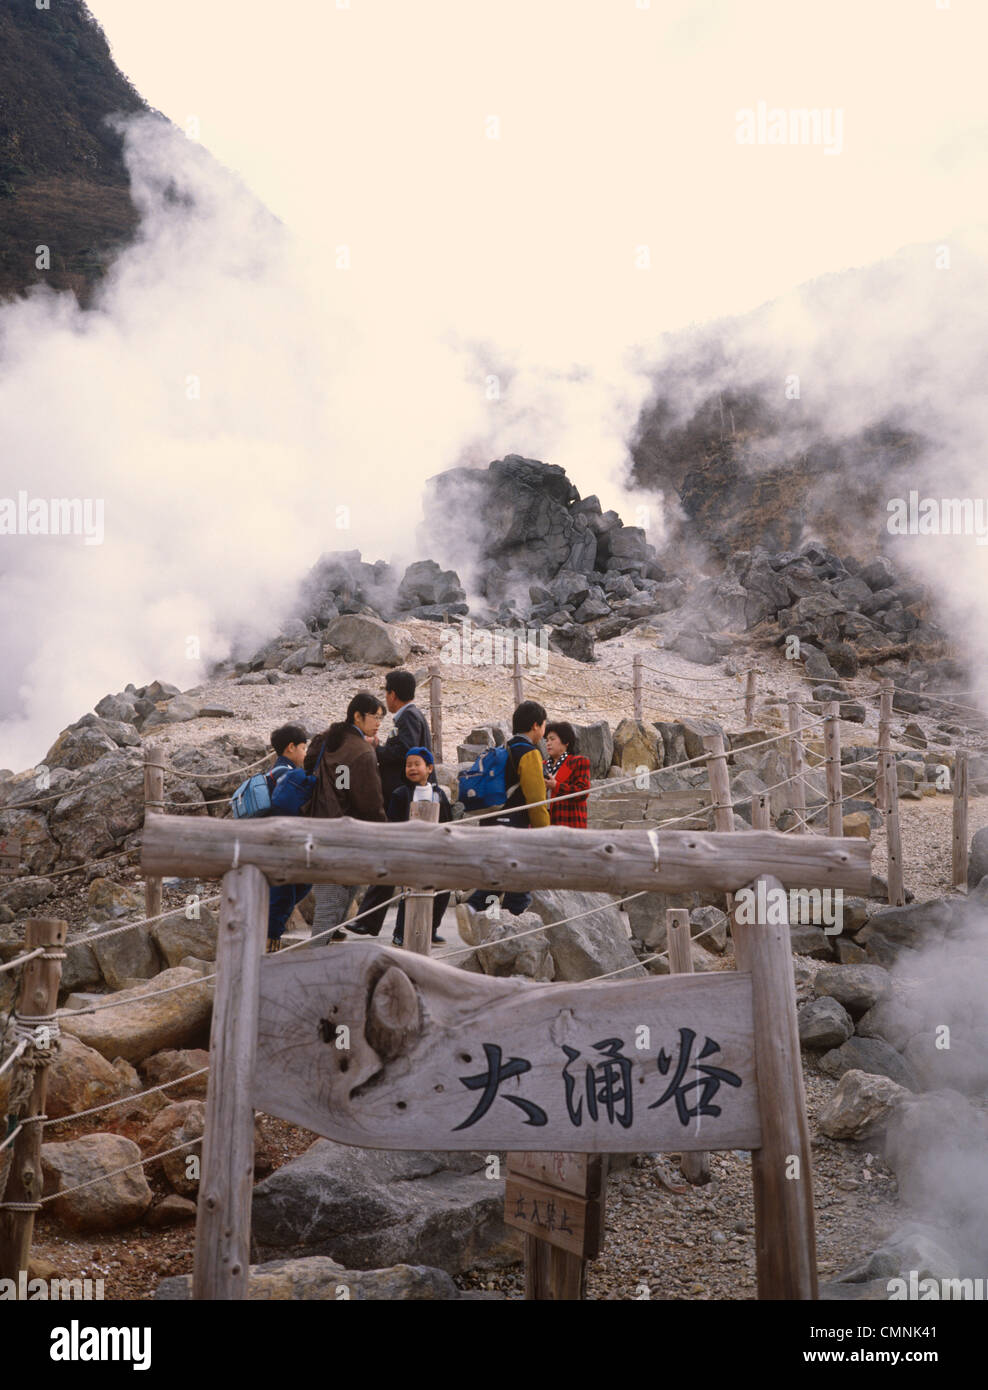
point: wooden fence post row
(831, 743)
(446, 1050)
(959, 849)
(797, 764)
(695, 1166)
(36, 1001)
(436, 711)
(893, 835)
(154, 801)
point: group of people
(346, 771)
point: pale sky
(364, 124)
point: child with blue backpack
(513, 779)
(290, 789)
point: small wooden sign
(557, 1217)
(581, 1174)
(10, 855)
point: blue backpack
(254, 797)
(486, 785)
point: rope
(940, 700)
(546, 926)
(696, 680)
(21, 1048)
(93, 1182)
(23, 960)
(620, 781)
(217, 772)
(57, 796)
(11, 1137)
(145, 921)
(76, 868)
(135, 998)
(125, 1100)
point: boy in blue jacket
(291, 788)
(419, 763)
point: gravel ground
(661, 1242)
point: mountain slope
(63, 183)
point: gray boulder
(177, 710)
(573, 641)
(596, 742)
(858, 987)
(127, 956)
(504, 946)
(320, 1279)
(593, 945)
(309, 655)
(178, 936)
(869, 1055)
(914, 926)
(112, 1198)
(369, 1208)
(38, 850)
(79, 747)
(977, 863)
(860, 1106)
(122, 708)
(696, 647)
(424, 583)
(591, 609)
(824, 1023)
(366, 639)
(637, 745)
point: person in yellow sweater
(526, 784)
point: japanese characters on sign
(597, 1083)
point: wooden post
(154, 795)
(797, 765)
(36, 999)
(720, 782)
(835, 795)
(636, 685)
(519, 692)
(761, 812)
(222, 1247)
(960, 820)
(418, 906)
(436, 711)
(884, 741)
(750, 686)
(785, 1244)
(694, 1166)
(897, 890)
(554, 1272)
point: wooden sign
(386, 1049)
(10, 855)
(582, 1174)
(559, 1218)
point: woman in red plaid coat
(566, 771)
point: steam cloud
(236, 424)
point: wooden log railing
(443, 856)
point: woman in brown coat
(344, 763)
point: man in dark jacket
(411, 730)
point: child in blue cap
(419, 763)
